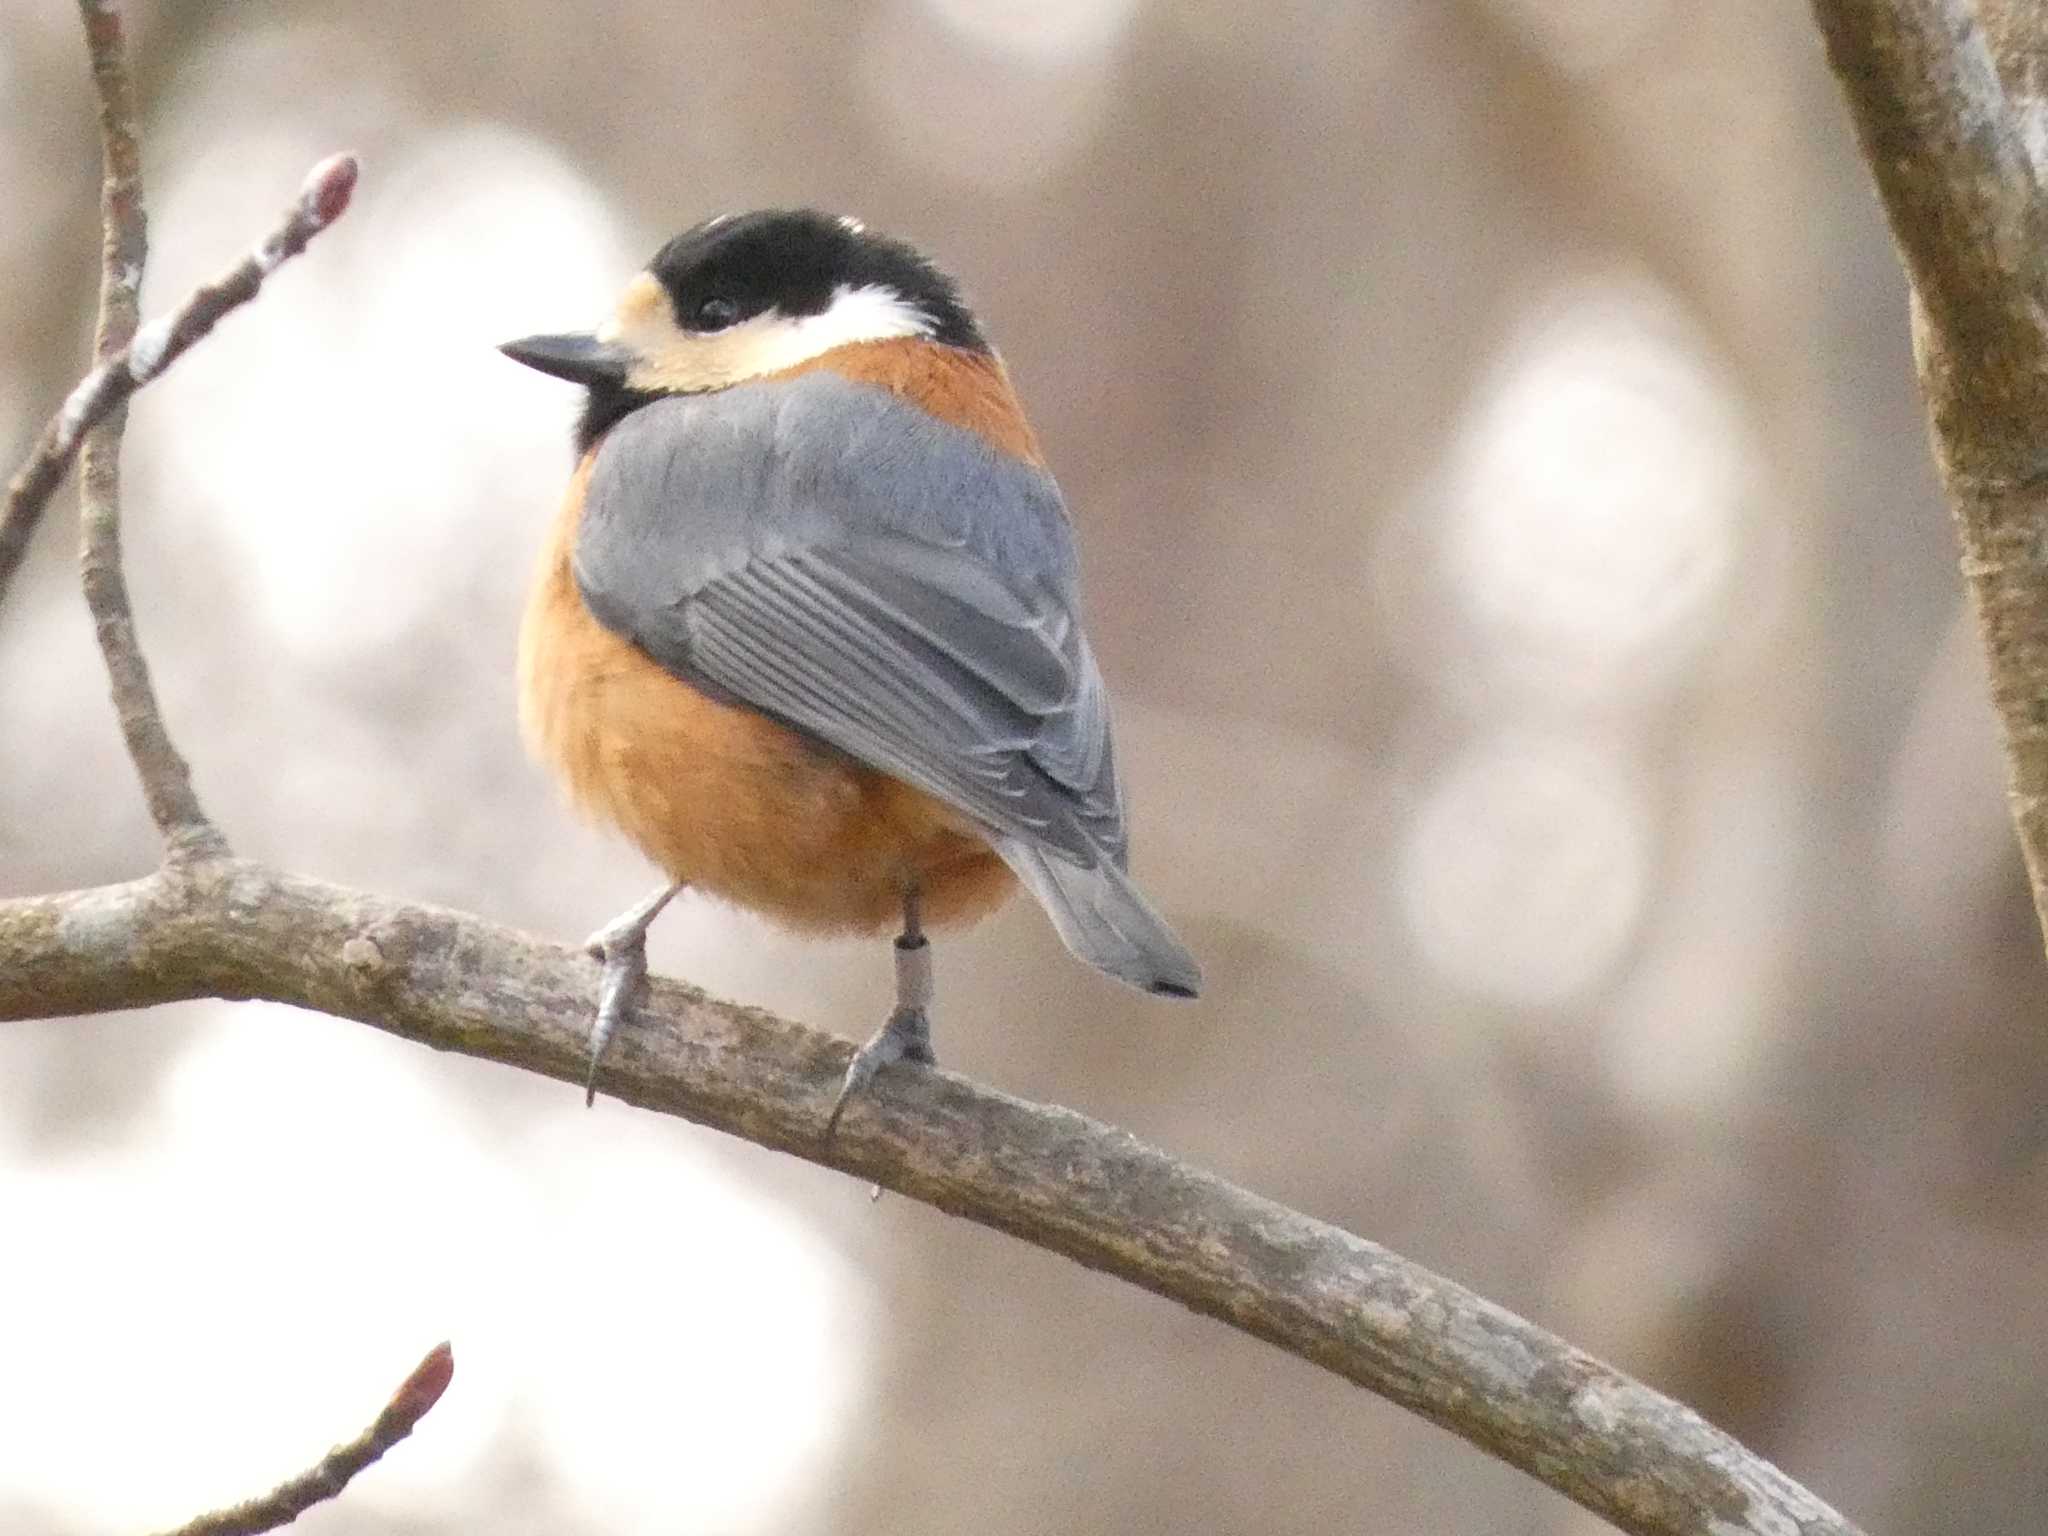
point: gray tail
(1105, 920)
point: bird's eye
(713, 314)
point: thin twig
(1057, 1180)
(124, 239)
(323, 199)
(124, 249)
(286, 1502)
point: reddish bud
(430, 1378)
(329, 186)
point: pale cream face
(669, 359)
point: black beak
(578, 357)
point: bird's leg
(622, 945)
(908, 1034)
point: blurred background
(1542, 683)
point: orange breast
(722, 797)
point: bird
(806, 628)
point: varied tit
(807, 629)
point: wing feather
(845, 563)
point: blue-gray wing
(886, 582)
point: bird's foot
(906, 1037)
(622, 945)
(625, 968)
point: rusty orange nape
(966, 389)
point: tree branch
(207, 925)
(325, 1479)
(1051, 1177)
(1949, 108)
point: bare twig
(323, 199)
(124, 244)
(1051, 1177)
(93, 417)
(1949, 107)
(124, 248)
(286, 1502)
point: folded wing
(843, 562)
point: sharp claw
(858, 1072)
(625, 967)
(906, 1037)
(621, 945)
(600, 1037)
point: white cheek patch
(768, 343)
(874, 313)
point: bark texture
(1948, 107)
(230, 928)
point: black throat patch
(604, 407)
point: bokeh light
(1524, 872)
(603, 1280)
(1049, 31)
(1686, 1034)
(394, 435)
(1594, 515)
(1596, 496)
(1034, 105)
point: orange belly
(726, 799)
